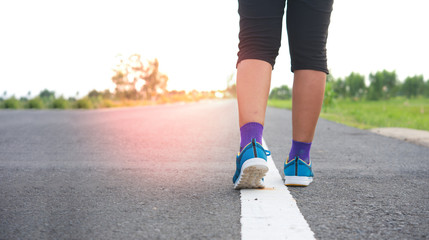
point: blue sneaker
(251, 166)
(297, 172)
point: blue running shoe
(297, 172)
(251, 166)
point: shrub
(96, 102)
(283, 92)
(328, 99)
(11, 103)
(35, 103)
(107, 103)
(60, 103)
(84, 103)
(163, 99)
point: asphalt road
(366, 186)
(164, 172)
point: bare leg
(307, 98)
(253, 87)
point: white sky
(70, 46)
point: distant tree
(339, 87)
(230, 80)
(94, 94)
(283, 92)
(124, 75)
(107, 94)
(231, 89)
(134, 79)
(383, 85)
(156, 82)
(47, 95)
(355, 85)
(329, 95)
(426, 90)
(413, 86)
(330, 77)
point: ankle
(249, 131)
(300, 150)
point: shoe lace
(268, 153)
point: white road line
(272, 213)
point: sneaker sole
(298, 181)
(252, 172)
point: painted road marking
(272, 213)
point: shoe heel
(298, 181)
(252, 172)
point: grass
(99, 102)
(398, 112)
(280, 103)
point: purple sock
(301, 150)
(249, 131)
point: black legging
(307, 26)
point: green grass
(398, 112)
(280, 103)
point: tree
(355, 85)
(156, 82)
(231, 89)
(329, 95)
(338, 87)
(94, 94)
(413, 86)
(126, 76)
(47, 96)
(107, 94)
(135, 79)
(383, 85)
(426, 90)
(283, 92)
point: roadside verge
(419, 137)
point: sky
(71, 46)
